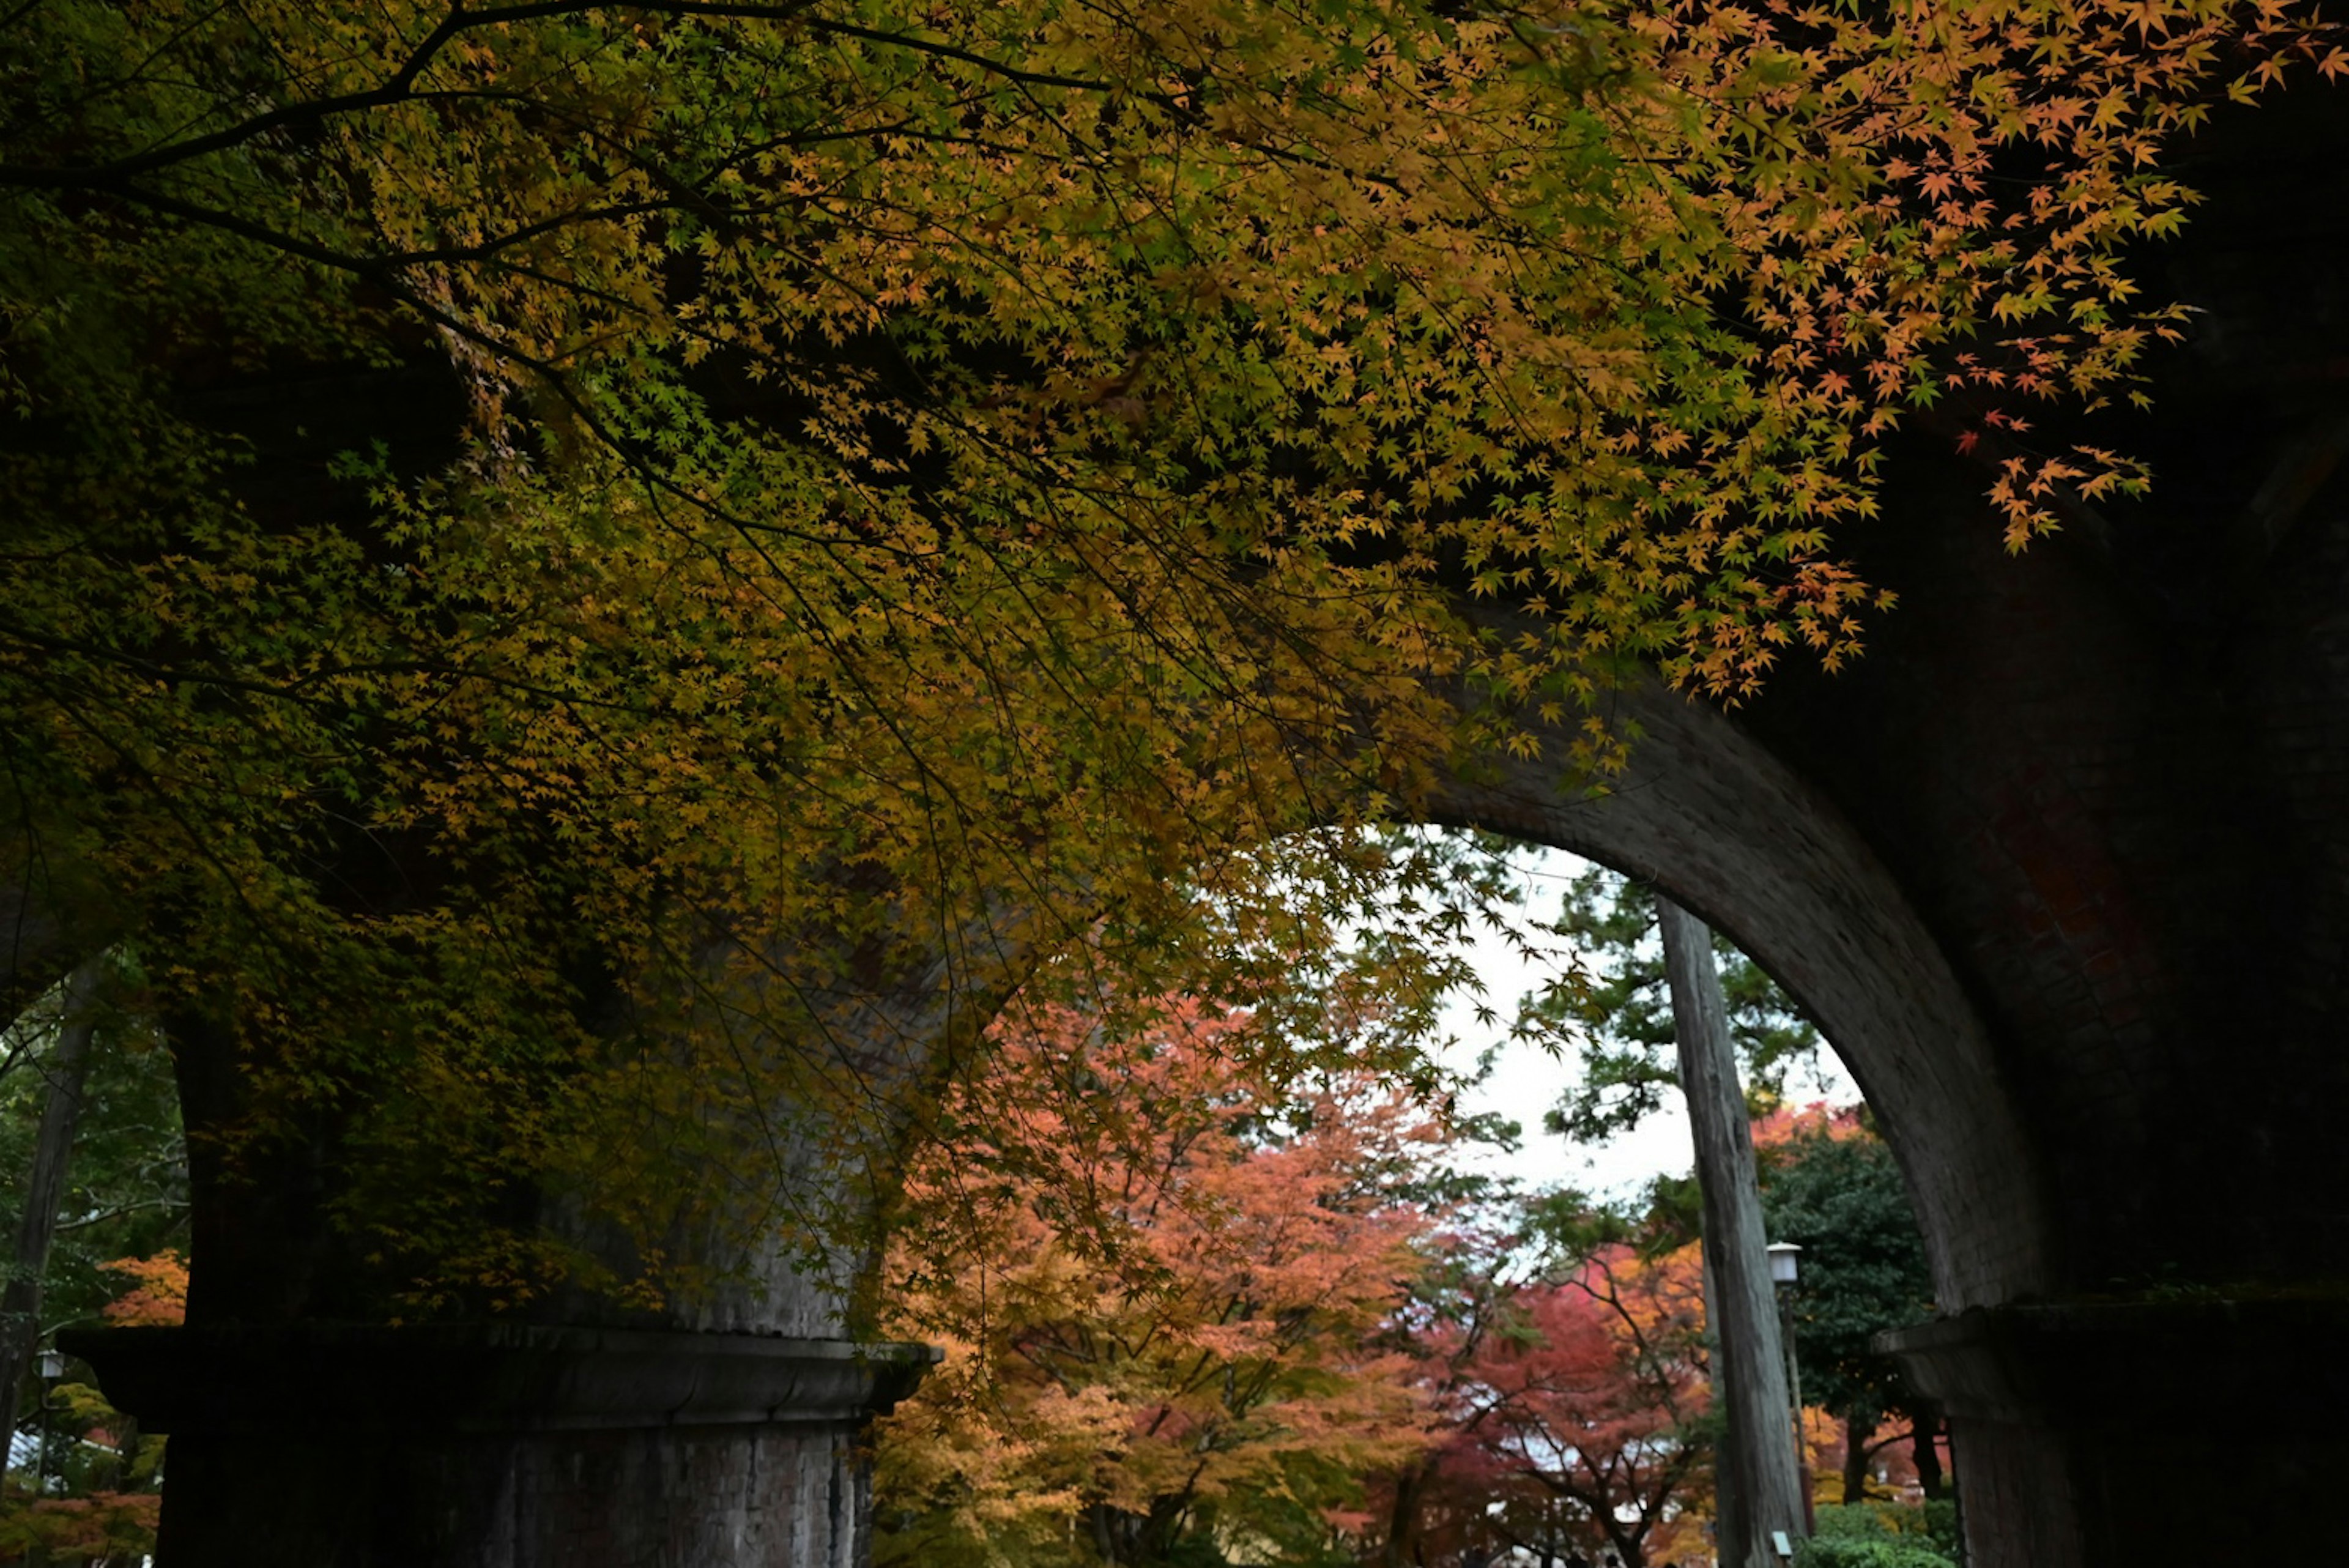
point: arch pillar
(2062, 868)
(2204, 1428)
(725, 1427)
(505, 1446)
(2174, 1421)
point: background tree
(91, 1495)
(85, 1490)
(1671, 1005)
(1165, 1289)
(1830, 1185)
(1574, 1424)
(1615, 1013)
(53, 1045)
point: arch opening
(1720, 827)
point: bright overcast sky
(1526, 1081)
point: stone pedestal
(505, 1447)
(2144, 1433)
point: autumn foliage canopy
(558, 551)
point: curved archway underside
(1725, 828)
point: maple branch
(392, 90)
(290, 690)
(400, 87)
(103, 1215)
(396, 89)
(992, 67)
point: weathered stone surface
(2199, 1429)
(506, 1447)
(2062, 868)
(1737, 837)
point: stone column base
(505, 1446)
(2193, 1430)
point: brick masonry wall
(2062, 867)
(2062, 864)
(2111, 776)
(1738, 837)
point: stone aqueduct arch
(1724, 828)
(2062, 867)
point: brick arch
(1723, 826)
(2063, 869)
(2062, 865)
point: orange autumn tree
(158, 1296)
(1166, 1293)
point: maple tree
(1165, 1288)
(94, 1499)
(158, 1293)
(550, 541)
(99, 1530)
(1573, 1418)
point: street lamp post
(53, 1367)
(1785, 1271)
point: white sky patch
(1528, 1081)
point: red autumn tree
(1575, 1411)
(1166, 1292)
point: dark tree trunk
(1925, 1433)
(1855, 1454)
(66, 1068)
(1401, 1519)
